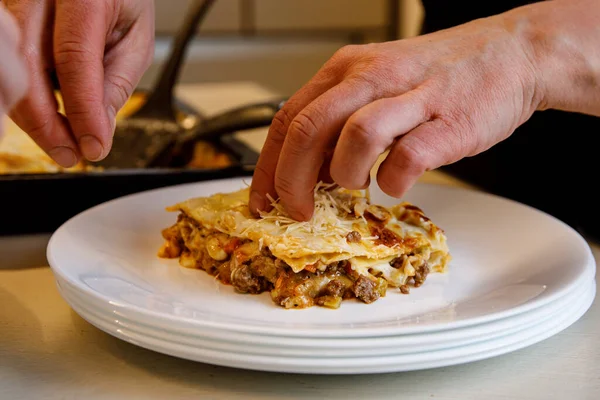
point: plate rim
(367, 345)
(501, 349)
(590, 268)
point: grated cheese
(320, 240)
(327, 220)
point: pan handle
(214, 128)
(238, 119)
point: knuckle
(280, 124)
(360, 131)
(458, 128)
(455, 118)
(123, 86)
(72, 53)
(369, 77)
(346, 51)
(303, 131)
(80, 113)
(377, 74)
(82, 104)
(39, 130)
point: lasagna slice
(349, 249)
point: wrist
(557, 39)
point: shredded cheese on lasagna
(323, 239)
(349, 248)
(326, 220)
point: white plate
(233, 342)
(508, 259)
(356, 365)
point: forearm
(562, 41)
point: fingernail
(64, 156)
(112, 116)
(91, 147)
(257, 202)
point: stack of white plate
(517, 276)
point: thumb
(127, 60)
(122, 74)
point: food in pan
(19, 154)
(350, 249)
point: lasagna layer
(350, 248)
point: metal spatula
(141, 136)
(178, 152)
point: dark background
(550, 162)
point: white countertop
(47, 351)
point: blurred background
(279, 44)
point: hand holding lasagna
(349, 249)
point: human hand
(430, 100)
(99, 50)
(13, 78)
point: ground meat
(344, 267)
(385, 236)
(404, 289)
(264, 266)
(209, 264)
(224, 272)
(366, 289)
(334, 288)
(353, 237)
(265, 251)
(421, 274)
(398, 262)
(259, 271)
(245, 281)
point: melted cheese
(322, 239)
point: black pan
(40, 203)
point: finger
(37, 113)
(1, 122)
(325, 171)
(427, 147)
(311, 134)
(13, 76)
(79, 41)
(126, 62)
(9, 30)
(331, 74)
(369, 132)
(263, 181)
